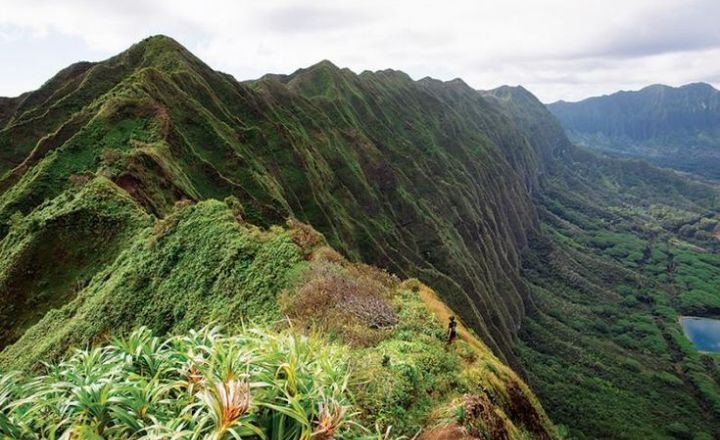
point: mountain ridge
(572, 268)
(658, 86)
(676, 127)
(144, 88)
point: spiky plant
(11, 425)
(330, 418)
(144, 354)
(224, 410)
(199, 386)
(142, 403)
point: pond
(703, 332)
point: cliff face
(678, 127)
(425, 178)
(654, 112)
(130, 190)
(146, 190)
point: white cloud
(557, 48)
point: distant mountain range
(149, 190)
(677, 127)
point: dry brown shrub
(305, 236)
(327, 254)
(345, 301)
(387, 279)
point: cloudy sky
(559, 49)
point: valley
(148, 191)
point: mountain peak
(453, 84)
(159, 41)
(162, 52)
(324, 64)
(700, 86)
(697, 86)
(389, 74)
(516, 94)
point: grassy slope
(202, 264)
(192, 267)
(427, 178)
(610, 275)
(50, 255)
(412, 176)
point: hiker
(452, 333)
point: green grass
(195, 266)
(299, 375)
(603, 340)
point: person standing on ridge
(452, 332)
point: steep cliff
(425, 178)
(146, 190)
(677, 127)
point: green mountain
(146, 190)
(622, 251)
(411, 176)
(138, 192)
(676, 127)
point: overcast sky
(559, 49)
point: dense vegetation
(358, 355)
(611, 273)
(411, 176)
(141, 192)
(672, 127)
(202, 385)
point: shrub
(202, 385)
(328, 254)
(305, 236)
(353, 303)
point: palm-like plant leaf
(199, 386)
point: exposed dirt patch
(133, 187)
(151, 185)
(480, 419)
(523, 410)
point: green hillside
(146, 191)
(411, 176)
(623, 250)
(130, 193)
(611, 272)
(320, 347)
(675, 127)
